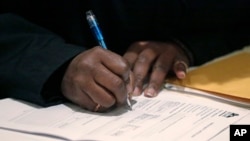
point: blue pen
(95, 28)
(98, 35)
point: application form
(170, 116)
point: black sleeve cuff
(51, 92)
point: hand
(154, 61)
(97, 77)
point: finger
(99, 95)
(100, 108)
(133, 51)
(111, 84)
(90, 105)
(131, 58)
(180, 69)
(112, 74)
(141, 68)
(101, 102)
(79, 97)
(158, 75)
(116, 64)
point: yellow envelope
(228, 77)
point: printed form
(170, 116)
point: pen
(95, 28)
(98, 35)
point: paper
(170, 115)
(227, 77)
(7, 135)
(205, 94)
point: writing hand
(154, 61)
(97, 77)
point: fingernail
(136, 91)
(181, 75)
(150, 92)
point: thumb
(180, 69)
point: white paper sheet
(169, 116)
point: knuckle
(76, 80)
(142, 59)
(97, 49)
(139, 78)
(118, 83)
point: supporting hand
(154, 61)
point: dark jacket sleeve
(31, 59)
(207, 29)
(210, 29)
(204, 29)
